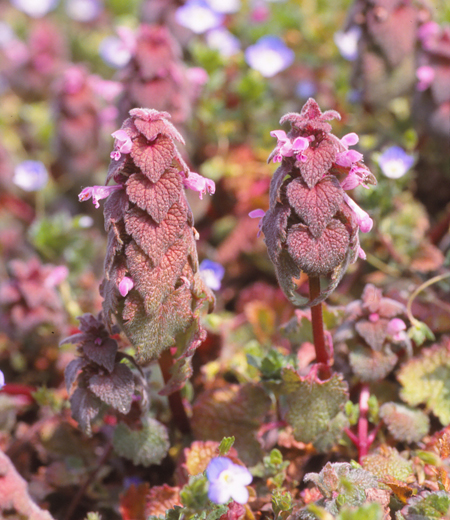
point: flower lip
(97, 193)
(196, 182)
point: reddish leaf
(71, 372)
(115, 389)
(373, 333)
(153, 158)
(115, 207)
(274, 229)
(318, 256)
(152, 238)
(155, 198)
(160, 499)
(311, 118)
(151, 129)
(318, 161)
(318, 205)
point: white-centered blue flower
(84, 10)
(347, 42)
(269, 56)
(35, 8)
(198, 16)
(30, 175)
(114, 53)
(227, 480)
(223, 41)
(395, 162)
(225, 6)
(212, 274)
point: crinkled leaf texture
(233, 410)
(314, 408)
(146, 446)
(427, 506)
(403, 423)
(425, 380)
(309, 227)
(151, 240)
(387, 462)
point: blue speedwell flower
(227, 480)
(30, 175)
(395, 162)
(212, 274)
(347, 42)
(198, 16)
(269, 56)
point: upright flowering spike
(312, 224)
(152, 283)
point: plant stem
(363, 423)
(322, 353)
(175, 399)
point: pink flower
(348, 157)
(288, 148)
(356, 176)
(363, 219)
(396, 328)
(196, 182)
(425, 75)
(122, 145)
(97, 193)
(125, 285)
(258, 213)
(58, 275)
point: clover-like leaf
(425, 379)
(154, 157)
(115, 389)
(155, 198)
(315, 206)
(318, 256)
(313, 405)
(146, 446)
(403, 423)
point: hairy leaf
(85, 407)
(151, 128)
(71, 372)
(160, 499)
(155, 198)
(146, 446)
(104, 354)
(387, 462)
(319, 159)
(115, 208)
(115, 389)
(370, 365)
(313, 405)
(315, 206)
(318, 256)
(403, 423)
(153, 158)
(427, 506)
(373, 333)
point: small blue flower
(212, 274)
(35, 8)
(222, 40)
(228, 7)
(347, 42)
(269, 56)
(395, 162)
(114, 52)
(2, 380)
(227, 480)
(30, 175)
(305, 89)
(84, 10)
(198, 16)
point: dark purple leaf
(71, 372)
(115, 389)
(103, 354)
(85, 407)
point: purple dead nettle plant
(152, 285)
(312, 225)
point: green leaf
(225, 445)
(427, 506)
(314, 408)
(403, 423)
(420, 332)
(387, 462)
(146, 446)
(425, 379)
(372, 511)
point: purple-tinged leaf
(370, 365)
(374, 334)
(71, 372)
(315, 206)
(123, 166)
(153, 158)
(274, 228)
(311, 118)
(115, 207)
(155, 198)
(151, 129)
(115, 389)
(319, 159)
(104, 354)
(85, 407)
(320, 256)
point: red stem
(175, 399)
(363, 423)
(322, 353)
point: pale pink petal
(350, 139)
(279, 134)
(365, 223)
(257, 213)
(395, 325)
(196, 182)
(300, 144)
(125, 285)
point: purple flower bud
(198, 16)
(212, 274)
(97, 193)
(395, 162)
(227, 480)
(30, 175)
(363, 219)
(347, 42)
(269, 56)
(196, 182)
(35, 8)
(125, 285)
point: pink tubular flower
(288, 148)
(363, 219)
(425, 75)
(258, 213)
(348, 157)
(97, 193)
(122, 145)
(196, 182)
(57, 276)
(125, 285)
(396, 328)
(356, 176)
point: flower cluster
(312, 224)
